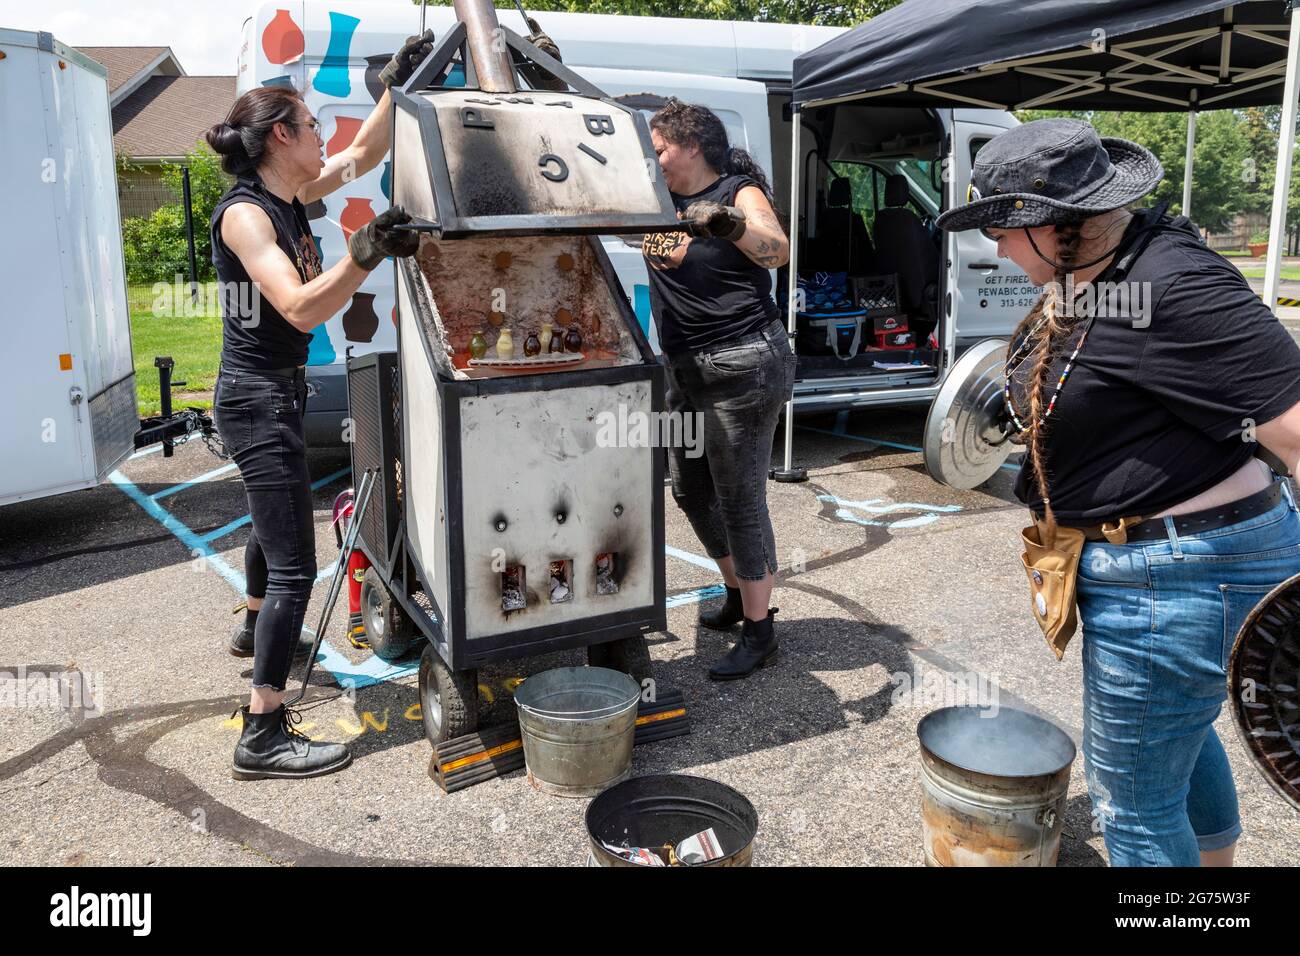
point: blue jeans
(1159, 620)
(260, 420)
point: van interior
(870, 259)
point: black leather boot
(241, 643)
(756, 647)
(728, 613)
(270, 747)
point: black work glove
(540, 40)
(405, 60)
(708, 220)
(377, 239)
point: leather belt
(1194, 522)
(290, 372)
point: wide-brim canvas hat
(1051, 171)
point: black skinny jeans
(738, 390)
(260, 419)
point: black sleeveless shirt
(715, 293)
(254, 334)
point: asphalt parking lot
(888, 578)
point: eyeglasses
(985, 233)
(314, 124)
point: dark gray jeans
(738, 390)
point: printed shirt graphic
(705, 293)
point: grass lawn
(190, 334)
(1291, 274)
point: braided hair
(1058, 322)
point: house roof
(167, 115)
(128, 66)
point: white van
(68, 390)
(742, 71)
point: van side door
(989, 295)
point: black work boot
(726, 614)
(756, 647)
(270, 747)
(241, 643)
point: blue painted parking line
(197, 546)
(190, 484)
(373, 670)
(238, 523)
(878, 441)
(698, 560)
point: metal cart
(512, 514)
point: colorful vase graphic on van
(360, 321)
(282, 40)
(355, 215)
(386, 181)
(345, 131)
(332, 78)
(320, 350)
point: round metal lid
(1264, 687)
(964, 443)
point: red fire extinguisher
(357, 565)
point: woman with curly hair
(728, 359)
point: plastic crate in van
(878, 295)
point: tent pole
(1187, 165)
(1282, 184)
(788, 473)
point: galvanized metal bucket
(578, 725)
(665, 808)
(993, 787)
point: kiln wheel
(630, 655)
(448, 699)
(388, 629)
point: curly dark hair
(691, 124)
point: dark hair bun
(224, 139)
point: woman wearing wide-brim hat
(1147, 384)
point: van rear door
(990, 295)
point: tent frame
(1144, 65)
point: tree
(155, 247)
(1220, 162)
(765, 11)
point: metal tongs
(367, 485)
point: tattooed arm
(764, 240)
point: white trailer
(68, 389)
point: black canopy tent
(1152, 55)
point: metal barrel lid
(964, 443)
(1264, 687)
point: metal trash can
(578, 725)
(993, 787)
(660, 809)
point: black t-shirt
(705, 292)
(1154, 414)
(254, 334)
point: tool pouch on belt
(1052, 566)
